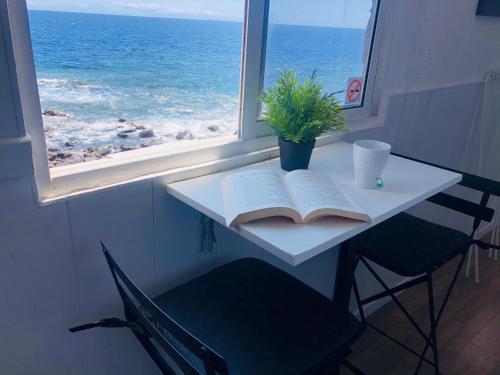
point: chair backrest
(479, 211)
(147, 315)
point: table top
(406, 183)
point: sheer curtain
(441, 92)
(487, 135)
(436, 103)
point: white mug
(370, 158)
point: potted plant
(298, 113)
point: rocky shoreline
(129, 136)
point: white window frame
(184, 159)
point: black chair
(415, 248)
(244, 318)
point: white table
(407, 183)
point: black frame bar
(430, 338)
(479, 212)
(344, 277)
(468, 180)
(142, 321)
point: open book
(301, 195)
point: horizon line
(184, 18)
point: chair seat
(260, 319)
(411, 246)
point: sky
(334, 13)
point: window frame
(184, 159)
(353, 113)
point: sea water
(177, 77)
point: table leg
(344, 280)
(345, 274)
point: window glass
(332, 36)
(115, 76)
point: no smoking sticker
(354, 91)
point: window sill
(170, 163)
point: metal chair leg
(432, 318)
(441, 310)
(473, 251)
(358, 302)
(430, 339)
(496, 241)
(397, 301)
(357, 295)
(476, 263)
(493, 238)
(469, 258)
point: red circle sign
(354, 91)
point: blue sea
(177, 77)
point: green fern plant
(300, 112)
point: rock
(122, 135)
(122, 120)
(146, 134)
(89, 149)
(140, 127)
(64, 155)
(91, 157)
(52, 157)
(124, 148)
(213, 128)
(105, 152)
(69, 144)
(53, 113)
(52, 149)
(128, 131)
(184, 134)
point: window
(334, 37)
(120, 81)
(129, 88)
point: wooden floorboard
(468, 334)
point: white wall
(53, 276)
(440, 43)
(437, 55)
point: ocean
(179, 78)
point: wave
(52, 82)
(61, 83)
(104, 132)
(92, 112)
(64, 92)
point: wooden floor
(468, 334)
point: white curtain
(450, 123)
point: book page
(314, 191)
(255, 191)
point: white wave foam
(172, 114)
(66, 82)
(52, 81)
(68, 93)
(82, 134)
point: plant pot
(295, 155)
